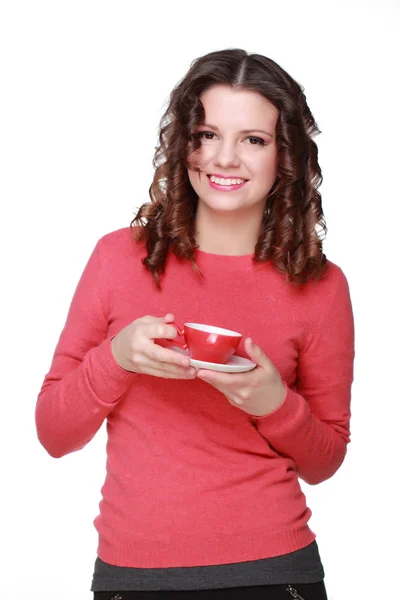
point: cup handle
(175, 342)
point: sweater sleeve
(311, 426)
(85, 382)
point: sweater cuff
(286, 420)
(109, 380)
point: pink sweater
(192, 480)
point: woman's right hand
(134, 349)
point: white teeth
(221, 181)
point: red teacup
(208, 343)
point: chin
(221, 205)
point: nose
(226, 155)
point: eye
(256, 141)
(207, 135)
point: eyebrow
(241, 132)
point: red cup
(207, 343)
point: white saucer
(236, 364)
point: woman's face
(237, 143)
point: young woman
(202, 494)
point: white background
(83, 85)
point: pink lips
(225, 176)
(225, 188)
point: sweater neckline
(223, 263)
(213, 256)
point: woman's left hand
(257, 392)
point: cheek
(193, 178)
(197, 180)
(266, 168)
(200, 157)
(206, 155)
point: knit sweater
(191, 479)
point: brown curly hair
(293, 225)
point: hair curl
(293, 225)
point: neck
(233, 234)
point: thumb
(256, 354)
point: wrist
(114, 345)
(274, 402)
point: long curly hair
(293, 225)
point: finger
(179, 370)
(147, 364)
(160, 330)
(230, 392)
(222, 379)
(165, 355)
(150, 319)
(208, 377)
(168, 374)
(169, 318)
(234, 401)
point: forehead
(227, 107)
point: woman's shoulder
(333, 284)
(334, 276)
(121, 242)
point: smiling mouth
(231, 184)
(227, 181)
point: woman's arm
(312, 424)
(84, 382)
